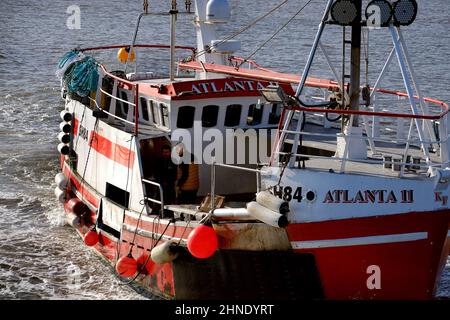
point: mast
(173, 21)
(355, 62)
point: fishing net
(68, 60)
(80, 74)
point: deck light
(274, 94)
(344, 12)
(405, 12)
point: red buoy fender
(127, 266)
(202, 241)
(149, 264)
(75, 206)
(91, 238)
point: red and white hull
(395, 256)
(382, 257)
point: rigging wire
(243, 29)
(274, 34)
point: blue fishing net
(80, 73)
(67, 60)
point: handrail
(155, 46)
(161, 193)
(270, 75)
(374, 113)
(378, 139)
(117, 98)
(250, 62)
(109, 113)
(134, 86)
(369, 161)
(257, 171)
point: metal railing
(442, 142)
(133, 86)
(215, 164)
(161, 193)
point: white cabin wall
(100, 169)
(229, 181)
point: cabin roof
(194, 89)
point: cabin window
(164, 115)
(233, 115)
(255, 113)
(118, 195)
(124, 97)
(275, 113)
(209, 116)
(185, 118)
(154, 111)
(144, 109)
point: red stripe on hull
(92, 199)
(408, 269)
(75, 126)
(111, 150)
(172, 231)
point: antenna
(173, 21)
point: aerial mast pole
(173, 20)
(355, 62)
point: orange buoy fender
(122, 55)
(202, 241)
(75, 206)
(91, 238)
(127, 266)
(144, 259)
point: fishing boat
(346, 205)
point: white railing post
(161, 193)
(213, 185)
(443, 136)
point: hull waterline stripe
(391, 238)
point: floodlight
(344, 12)
(405, 12)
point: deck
(326, 148)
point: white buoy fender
(232, 214)
(60, 194)
(63, 137)
(61, 181)
(164, 253)
(267, 216)
(63, 149)
(74, 220)
(268, 200)
(66, 115)
(64, 127)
